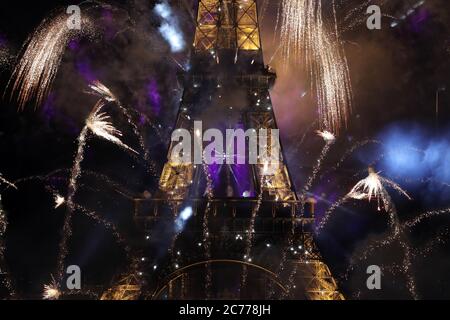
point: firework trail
(373, 187)
(328, 142)
(251, 231)
(304, 34)
(357, 14)
(72, 189)
(357, 9)
(362, 144)
(405, 268)
(102, 91)
(59, 200)
(36, 70)
(352, 149)
(117, 187)
(7, 280)
(120, 239)
(368, 251)
(50, 177)
(284, 255)
(105, 93)
(9, 184)
(329, 139)
(83, 293)
(424, 180)
(206, 235)
(329, 212)
(305, 133)
(441, 238)
(408, 253)
(98, 124)
(52, 291)
(411, 282)
(426, 215)
(39, 177)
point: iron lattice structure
(246, 238)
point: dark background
(395, 73)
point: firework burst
(9, 184)
(329, 139)
(102, 91)
(373, 187)
(327, 136)
(251, 230)
(59, 200)
(99, 124)
(7, 280)
(51, 291)
(426, 215)
(106, 94)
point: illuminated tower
(226, 231)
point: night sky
(396, 73)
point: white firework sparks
(101, 90)
(426, 215)
(99, 124)
(106, 94)
(304, 34)
(10, 184)
(51, 291)
(37, 69)
(120, 239)
(59, 201)
(327, 136)
(373, 187)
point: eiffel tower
(226, 231)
